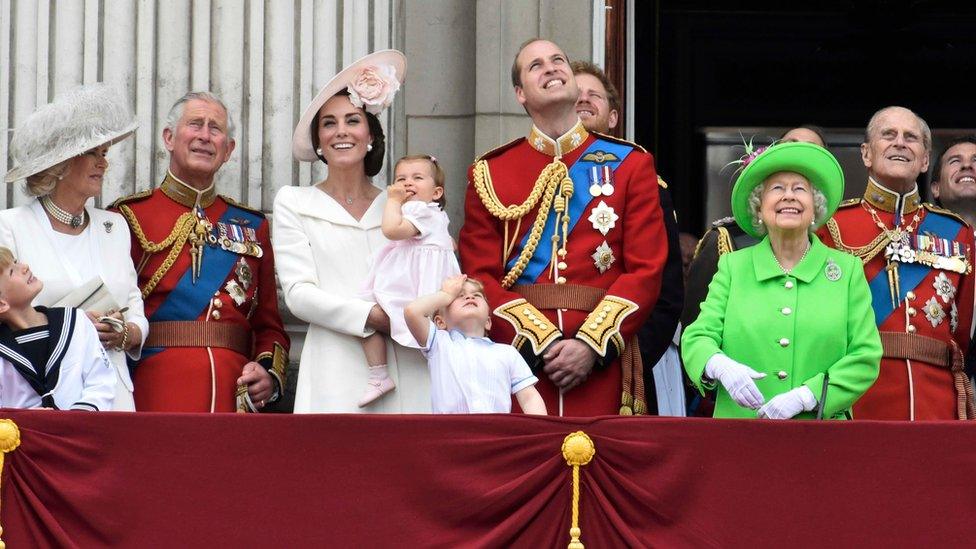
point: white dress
(404, 270)
(322, 256)
(27, 232)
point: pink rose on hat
(373, 89)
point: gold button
(912, 311)
(607, 308)
(216, 294)
(561, 265)
(781, 374)
(218, 303)
(910, 295)
(531, 316)
(543, 326)
(789, 285)
(537, 322)
(784, 342)
(215, 315)
(561, 280)
(787, 310)
(526, 312)
(594, 325)
(911, 329)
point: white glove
(789, 404)
(737, 379)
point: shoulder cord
(865, 253)
(176, 240)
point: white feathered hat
(75, 122)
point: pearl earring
(369, 147)
(318, 151)
(760, 221)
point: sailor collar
(565, 144)
(186, 195)
(888, 200)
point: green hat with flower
(813, 162)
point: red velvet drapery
(174, 480)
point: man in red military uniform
(564, 228)
(918, 262)
(216, 342)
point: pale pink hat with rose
(372, 82)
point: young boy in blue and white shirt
(469, 373)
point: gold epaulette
(724, 241)
(602, 326)
(500, 149)
(131, 198)
(661, 183)
(849, 202)
(948, 213)
(530, 324)
(237, 204)
(619, 140)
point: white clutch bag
(90, 296)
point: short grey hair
(872, 127)
(176, 111)
(43, 182)
(755, 207)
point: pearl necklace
(59, 214)
(788, 271)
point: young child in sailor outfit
(419, 256)
(469, 373)
(49, 358)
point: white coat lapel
(46, 233)
(317, 204)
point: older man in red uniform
(918, 262)
(564, 228)
(206, 269)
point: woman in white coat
(325, 235)
(73, 247)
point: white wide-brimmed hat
(372, 82)
(76, 121)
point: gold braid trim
(865, 253)
(175, 241)
(724, 241)
(545, 186)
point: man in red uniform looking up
(206, 270)
(564, 228)
(918, 262)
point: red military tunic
(195, 367)
(934, 303)
(611, 261)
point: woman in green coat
(787, 329)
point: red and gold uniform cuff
(602, 326)
(529, 324)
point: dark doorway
(737, 64)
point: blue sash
(188, 300)
(579, 173)
(910, 275)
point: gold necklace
(896, 234)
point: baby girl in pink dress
(419, 256)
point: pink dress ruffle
(404, 270)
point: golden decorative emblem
(578, 450)
(9, 441)
(599, 157)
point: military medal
(596, 189)
(832, 271)
(239, 240)
(235, 291)
(243, 272)
(607, 187)
(934, 312)
(944, 288)
(603, 218)
(603, 257)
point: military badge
(944, 288)
(603, 257)
(239, 240)
(599, 157)
(235, 292)
(603, 218)
(244, 274)
(934, 312)
(108, 226)
(953, 318)
(601, 181)
(832, 271)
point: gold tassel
(578, 450)
(9, 441)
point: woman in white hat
(325, 235)
(81, 253)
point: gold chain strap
(177, 239)
(545, 186)
(867, 252)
